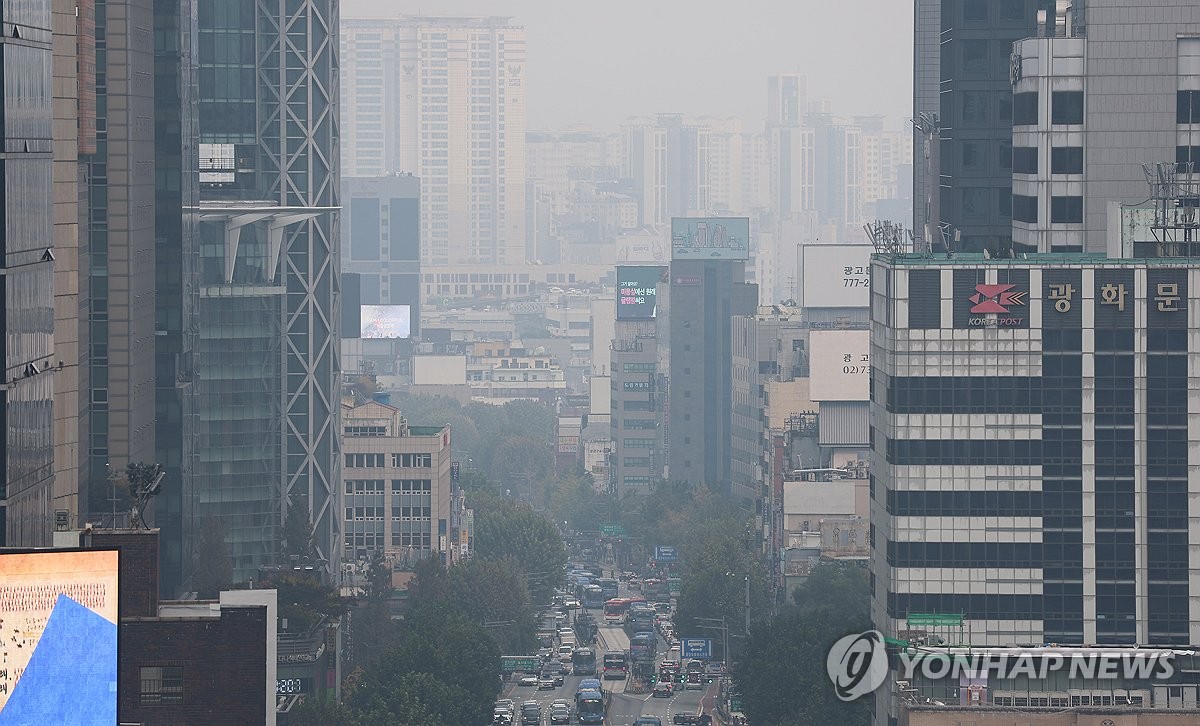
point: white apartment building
(443, 99)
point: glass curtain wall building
(25, 228)
(269, 299)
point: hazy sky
(599, 61)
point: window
(1012, 9)
(1006, 155)
(1066, 210)
(364, 460)
(409, 461)
(974, 202)
(1024, 209)
(972, 154)
(1025, 160)
(1004, 203)
(974, 107)
(974, 56)
(1066, 160)
(1025, 109)
(162, 685)
(1185, 155)
(1066, 107)
(975, 11)
(1187, 107)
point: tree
(304, 599)
(298, 539)
(214, 570)
(782, 675)
(505, 528)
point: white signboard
(439, 370)
(839, 365)
(836, 276)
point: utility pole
(747, 604)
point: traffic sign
(663, 553)
(612, 530)
(674, 586)
(520, 663)
(695, 648)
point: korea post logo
(857, 664)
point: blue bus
(608, 586)
(643, 647)
(593, 597)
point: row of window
(1063, 210)
(1063, 160)
(403, 461)
(417, 540)
(399, 486)
(377, 514)
(1066, 107)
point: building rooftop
(426, 430)
(1030, 259)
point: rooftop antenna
(889, 238)
(928, 125)
(951, 236)
(1175, 192)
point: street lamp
(747, 609)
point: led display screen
(385, 321)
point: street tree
(509, 529)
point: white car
(528, 681)
(560, 712)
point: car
(531, 713)
(528, 681)
(545, 684)
(564, 669)
(663, 690)
(560, 616)
(558, 679)
(692, 719)
(571, 604)
(506, 703)
(560, 712)
(648, 721)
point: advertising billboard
(710, 238)
(836, 276)
(839, 365)
(58, 637)
(637, 292)
(385, 321)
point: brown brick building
(189, 663)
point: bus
(639, 618)
(583, 662)
(616, 666)
(643, 647)
(593, 597)
(608, 586)
(590, 706)
(654, 589)
(615, 609)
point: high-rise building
(837, 174)
(177, 274)
(668, 163)
(705, 295)
(120, 228)
(1030, 449)
(74, 133)
(638, 380)
(443, 99)
(269, 175)
(1084, 123)
(787, 99)
(26, 400)
(381, 241)
(963, 175)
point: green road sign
(935, 619)
(612, 530)
(520, 663)
(674, 587)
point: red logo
(995, 298)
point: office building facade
(120, 229)
(29, 306)
(1085, 120)
(961, 56)
(705, 296)
(381, 241)
(269, 300)
(1031, 447)
(397, 486)
(443, 99)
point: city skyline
(566, 67)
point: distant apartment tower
(29, 305)
(120, 227)
(787, 99)
(668, 162)
(1084, 123)
(396, 485)
(443, 99)
(962, 176)
(381, 241)
(270, 296)
(705, 295)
